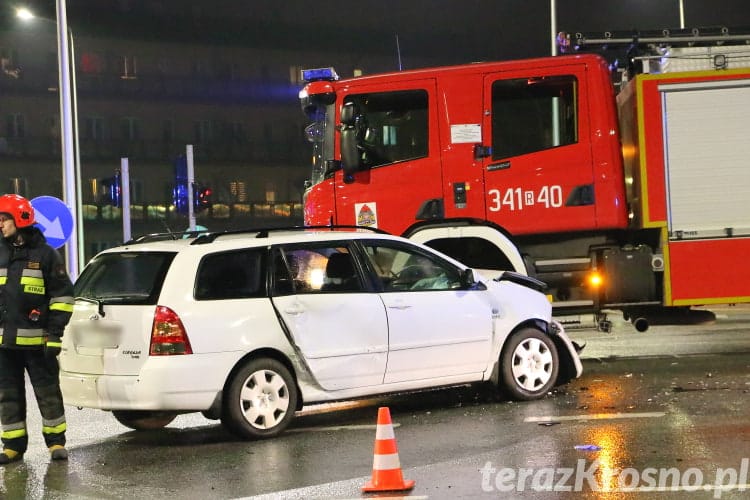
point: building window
(15, 125)
(238, 191)
(136, 191)
(295, 75)
(167, 131)
(270, 192)
(9, 62)
(203, 131)
(129, 68)
(90, 63)
(19, 185)
(199, 68)
(93, 128)
(131, 128)
(237, 132)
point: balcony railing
(185, 88)
(268, 153)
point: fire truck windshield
(320, 133)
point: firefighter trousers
(44, 376)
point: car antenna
(169, 231)
(398, 53)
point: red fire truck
(630, 196)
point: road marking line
(698, 487)
(595, 416)
(338, 428)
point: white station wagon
(248, 327)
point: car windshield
(124, 278)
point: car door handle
(399, 306)
(294, 310)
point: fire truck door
(400, 156)
(537, 169)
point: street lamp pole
(70, 172)
(553, 26)
(682, 15)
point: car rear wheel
(530, 364)
(260, 400)
(144, 420)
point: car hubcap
(264, 399)
(532, 364)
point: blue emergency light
(317, 74)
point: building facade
(146, 100)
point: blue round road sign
(54, 218)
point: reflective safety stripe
(27, 337)
(14, 434)
(14, 431)
(3, 280)
(33, 284)
(54, 344)
(15, 426)
(55, 421)
(30, 337)
(29, 340)
(59, 306)
(32, 280)
(64, 304)
(57, 429)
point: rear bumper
(168, 383)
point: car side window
(315, 269)
(231, 275)
(400, 268)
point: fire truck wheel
(529, 364)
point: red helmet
(19, 208)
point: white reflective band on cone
(384, 432)
(386, 462)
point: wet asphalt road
(667, 410)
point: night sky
(447, 31)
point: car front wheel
(260, 400)
(530, 364)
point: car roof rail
(179, 235)
(263, 232)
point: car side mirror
(350, 157)
(468, 280)
(349, 151)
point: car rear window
(231, 275)
(124, 278)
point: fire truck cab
(602, 193)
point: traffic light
(201, 194)
(201, 197)
(110, 192)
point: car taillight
(168, 336)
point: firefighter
(36, 302)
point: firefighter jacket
(36, 294)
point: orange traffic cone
(386, 468)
